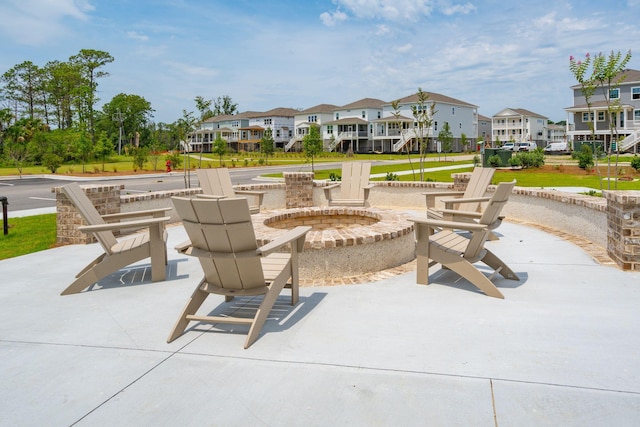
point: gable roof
(363, 103)
(277, 112)
(518, 112)
(320, 108)
(434, 97)
(627, 76)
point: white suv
(508, 146)
(527, 146)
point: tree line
(49, 116)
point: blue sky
(300, 53)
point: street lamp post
(118, 117)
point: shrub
(635, 162)
(515, 161)
(392, 177)
(585, 157)
(530, 159)
(334, 177)
(495, 161)
(175, 158)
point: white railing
(333, 144)
(631, 140)
(406, 136)
(290, 144)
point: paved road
(35, 192)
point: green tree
(446, 138)
(464, 141)
(219, 147)
(22, 84)
(267, 144)
(224, 105)
(89, 62)
(140, 156)
(312, 144)
(103, 148)
(63, 84)
(83, 149)
(204, 107)
(399, 124)
(136, 114)
(423, 113)
(185, 125)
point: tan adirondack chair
(119, 253)
(222, 238)
(217, 182)
(354, 187)
(439, 243)
(468, 200)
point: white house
(303, 120)
(351, 127)
(519, 125)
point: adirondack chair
(222, 238)
(468, 200)
(119, 253)
(217, 182)
(439, 243)
(354, 187)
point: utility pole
(118, 117)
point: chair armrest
(259, 195)
(125, 224)
(299, 233)
(328, 188)
(466, 214)
(181, 247)
(452, 225)
(156, 213)
(431, 196)
(466, 200)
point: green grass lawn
(28, 234)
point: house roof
(594, 105)
(400, 118)
(254, 127)
(277, 112)
(348, 120)
(320, 108)
(627, 76)
(484, 118)
(227, 117)
(433, 97)
(363, 103)
(518, 112)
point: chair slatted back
(222, 232)
(215, 182)
(355, 176)
(489, 216)
(89, 214)
(477, 187)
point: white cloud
(331, 19)
(137, 36)
(34, 22)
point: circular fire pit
(343, 242)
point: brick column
(106, 199)
(460, 180)
(298, 189)
(623, 233)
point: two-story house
(519, 125)
(398, 130)
(227, 126)
(624, 94)
(317, 115)
(351, 127)
(279, 120)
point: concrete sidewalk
(562, 348)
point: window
(601, 116)
(585, 117)
(337, 116)
(635, 93)
(614, 93)
(330, 129)
(277, 133)
(267, 122)
(312, 119)
(636, 115)
(453, 111)
(364, 114)
(435, 126)
(379, 114)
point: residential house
(228, 126)
(279, 120)
(556, 133)
(624, 95)
(518, 125)
(484, 129)
(398, 130)
(303, 120)
(351, 128)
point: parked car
(557, 148)
(527, 146)
(508, 146)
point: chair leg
(268, 301)
(194, 303)
(476, 277)
(496, 263)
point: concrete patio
(562, 348)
